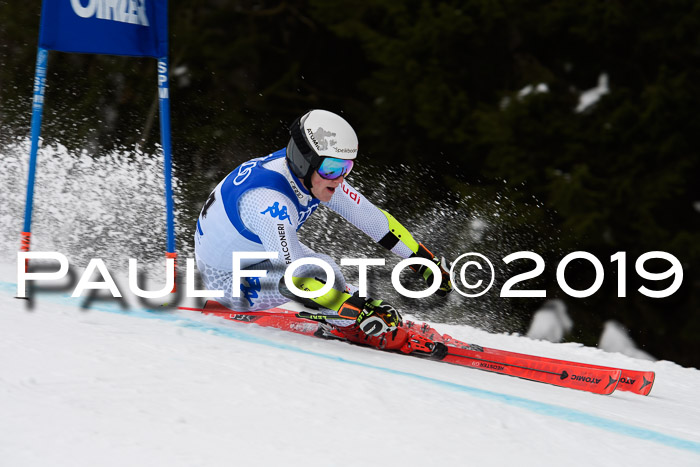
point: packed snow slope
(114, 386)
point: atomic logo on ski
(585, 379)
(611, 382)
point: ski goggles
(332, 168)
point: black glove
(427, 273)
(373, 317)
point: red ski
(638, 382)
(280, 318)
(422, 340)
(564, 374)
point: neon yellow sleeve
(331, 300)
(397, 233)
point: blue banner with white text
(111, 27)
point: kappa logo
(275, 211)
(123, 11)
(250, 291)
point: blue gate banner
(112, 27)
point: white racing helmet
(316, 135)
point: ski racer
(260, 206)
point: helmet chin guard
(315, 135)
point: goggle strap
(298, 136)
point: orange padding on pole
(26, 240)
(173, 255)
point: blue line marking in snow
(542, 408)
